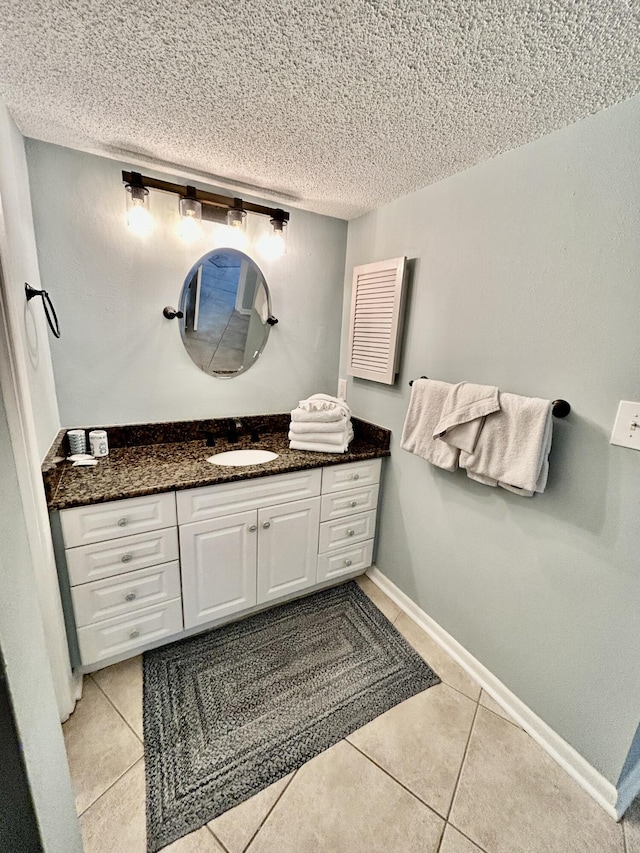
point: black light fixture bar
(206, 198)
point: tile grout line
(464, 758)
(464, 835)
(397, 781)
(457, 689)
(268, 814)
(441, 839)
(115, 782)
(215, 837)
(118, 712)
(455, 787)
(496, 714)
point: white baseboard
(593, 782)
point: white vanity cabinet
(233, 560)
(148, 570)
(124, 574)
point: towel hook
(47, 304)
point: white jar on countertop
(98, 442)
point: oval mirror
(226, 313)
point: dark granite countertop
(145, 459)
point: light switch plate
(626, 429)
(342, 389)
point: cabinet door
(287, 548)
(218, 559)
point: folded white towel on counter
(344, 435)
(325, 416)
(513, 447)
(319, 447)
(423, 415)
(324, 403)
(463, 414)
(302, 427)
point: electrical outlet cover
(626, 429)
(342, 389)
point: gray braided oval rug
(230, 711)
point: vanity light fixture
(190, 216)
(138, 217)
(196, 204)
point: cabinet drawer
(349, 502)
(345, 561)
(99, 600)
(229, 498)
(105, 559)
(354, 474)
(85, 524)
(346, 531)
(130, 632)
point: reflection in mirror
(226, 308)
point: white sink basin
(242, 457)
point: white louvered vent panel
(376, 320)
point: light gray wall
(528, 277)
(119, 360)
(20, 264)
(26, 378)
(22, 640)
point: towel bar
(560, 407)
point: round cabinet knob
(353, 503)
(253, 528)
(130, 596)
(267, 524)
(347, 562)
(356, 477)
(135, 633)
(126, 558)
(351, 532)
(122, 522)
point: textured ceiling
(338, 106)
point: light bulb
(273, 245)
(189, 229)
(235, 233)
(235, 238)
(139, 220)
(138, 216)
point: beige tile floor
(446, 771)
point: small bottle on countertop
(98, 442)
